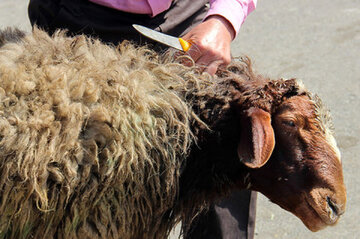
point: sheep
(100, 141)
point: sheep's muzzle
(324, 208)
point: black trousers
(234, 217)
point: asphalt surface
(318, 42)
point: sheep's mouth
(310, 217)
(308, 214)
(317, 216)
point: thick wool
(91, 138)
(94, 138)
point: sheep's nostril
(332, 205)
(334, 211)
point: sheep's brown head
(294, 160)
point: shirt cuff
(235, 11)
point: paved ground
(319, 42)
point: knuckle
(227, 60)
(200, 45)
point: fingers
(209, 60)
(195, 52)
(213, 67)
(210, 64)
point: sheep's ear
(257, 139)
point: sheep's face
(304, 172)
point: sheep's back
(92, 138)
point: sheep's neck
(212, 166)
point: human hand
(211, 41)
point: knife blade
(175, 42)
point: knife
(175, 42)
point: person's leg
(252, 215)
(232, 218)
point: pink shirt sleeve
(235, 11)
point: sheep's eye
(289, 123)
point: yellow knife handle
(184, 44)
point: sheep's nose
(335, 210)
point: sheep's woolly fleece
(91, 137)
